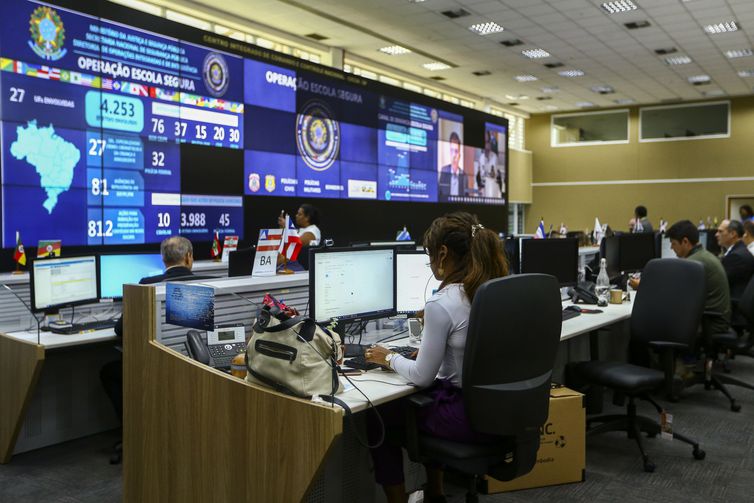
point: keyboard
(568, 314)
(78, 328)
(405, 351)
(360, 363)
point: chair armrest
(413, 404)
(419, 400)
(666, 345)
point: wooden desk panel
(192, 433)
(20, 365)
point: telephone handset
(583, 292)
(222, 345)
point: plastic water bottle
(603, 282)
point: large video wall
(95, 113)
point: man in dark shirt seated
(178, 257)
(737, 260)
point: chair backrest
(513, 336)
(746, 304)
(670, 302)
(241, 262)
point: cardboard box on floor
(561, 456)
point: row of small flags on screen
(97, 82)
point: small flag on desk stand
(563, 230)
(540, 232)
(19, 255)
(663, 225)
(598, 233)
(215, 252)
(290, 245)
(403, 235)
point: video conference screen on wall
(94, 114)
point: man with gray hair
(737, 261)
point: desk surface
(54, 341)
(381, 386)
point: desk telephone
(222, 345)
(583, 292)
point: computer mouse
(573, 308)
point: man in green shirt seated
(684, 240)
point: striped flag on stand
(269, 240)
(290, 245)
(540, 232)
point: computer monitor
(415, 282)
(558, 257)
(667, 252)
(241, 262)
(61, 282)
(629, 252)
(352, 284)
(117, 270)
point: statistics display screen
(93, 113)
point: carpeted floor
(78, 471)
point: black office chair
(513, 336)
(665, 317)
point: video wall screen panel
(95, 111)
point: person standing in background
(641, 222)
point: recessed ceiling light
(665, 50)
(723, 27)
(603, 89)
(535, 53)
(544, 98)
(624, 101)
(698, 80)
(316, 36)
(394, 50)
(486, 28)
(455, 13)
(746, 73)
(738, 53)
(435, 66)
(678, 60)
(512, 42)
(514, 97)
(550, 90)
(619, 6)
(481, 73)
(550, 107)
(554, 64)
(526, 78)
(635, 25)
(437, 77)
(416, 1)
(584, 104)
(571, 73)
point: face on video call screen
(95, 115)
(348, 284)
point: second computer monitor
(415, 282)
(629, 252)
(558, 257)
(350, 284)
(118, 270)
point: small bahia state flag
(291, 243)
(269, 240)
(216, 251)
(19, 255)
(540, 232)
(403, 235)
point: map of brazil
(53, 158)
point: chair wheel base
(649, 467)
(699, 454)
(735, 407)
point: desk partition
(193, 433)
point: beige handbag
(293, 355)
